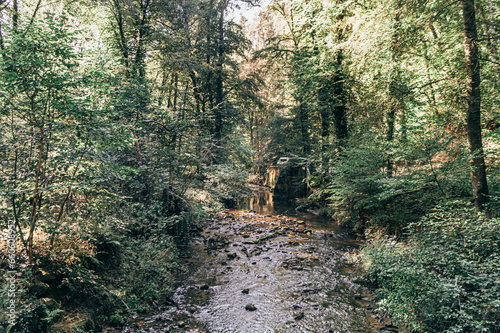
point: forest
(125, 123)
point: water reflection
(260, 203)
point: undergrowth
(445, 275)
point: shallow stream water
(262, 268)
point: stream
(262, 268)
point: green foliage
(444, 277)
(98, 169)
(149, 269)
(357, 192)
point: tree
(474, 132)
(42, 115)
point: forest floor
(251, 272)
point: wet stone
(300, 316)
(250, 307)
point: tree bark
(473, 93)
(141, 34)
(122, 41)
(15, 15)
(394, 93)
(339, 93)
(219, 86)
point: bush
(359, 193)
(445, 277)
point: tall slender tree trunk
(122, 41)
(2, 47)
(395, 94)
(339, 109)
(339, 89)
(15, 15)
(219, 88)
(474, 135)
(141, 35)
(304, 127)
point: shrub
(445, 277)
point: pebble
(250, 307)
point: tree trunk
(304, 127)
(2, 47)
(122, 41)
(474, 135)
(339, 93)
(219, 89)
(15, 15)
(141, 34)
(395, 94)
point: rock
(244, 250)
(245, 291)
(300, 316)
(181, 324)
(388, 328)
(204, 287)
(231, 255)
(250, 307)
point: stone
(245, 291)
(250, 307)
(300, 316)
(204, 287)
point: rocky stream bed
(259, 270)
